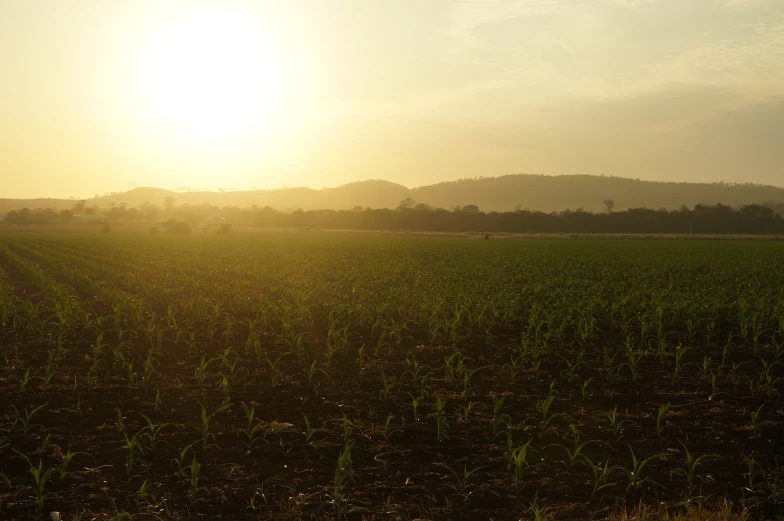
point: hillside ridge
(503, 193)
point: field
(274, 377)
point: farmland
(358, 377)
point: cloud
(468, 15)
(633, 3)
(741, 4)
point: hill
(533, 192)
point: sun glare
(213, 75)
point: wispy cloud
(467, 15)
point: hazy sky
(98, 95)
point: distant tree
(298, 217)
(175, 227)
(470, 208)
(406, 204)
(357, 209)
(422, 207)
(78, 207)
(168, 204)
(609, 204)
(224, 229)
(66, 216)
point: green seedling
(25, 381)
(518, 460)
(309, 431)
(386, 388)
(344, 472)
(120, 422)
(27, 419)
(574, 453)
(616, 424)
(132, 447)
(388, 429)
(546, 415)
(40, 480)
(314, 371)
(63, 470)
(181, 465)
(200, 373)
(753, 472)
(442, 423)
(462, 487)
(690, 470)
(498, 416)
(150, 433)
(584, 388)
(660, 423)
(601, 475)
(634, 474)
(205, 420)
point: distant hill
(533, 192)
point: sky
(101, 96)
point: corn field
(149, 377)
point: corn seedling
(415, 368)
(574, 453)
(25, 381)
(314, 371)
(752, 474)
(120, 421)
(276, 377)
(601, 475)
(388, 429)
(634, 474)
(150, 433)
(572, 364)
(690, 470)
(414, 407)
(27, 419)
(518, 460)
(67, 457)
(616, 424)
(200, 373)
(344, 472)
(463, 487)
(386, 387)
(205, 420)
(132, 448)
(194, 470)
(309, 431)
(660, 423)
(498, 416)
(680, 364)
(442, 423)
(515, 368)
(40, 480)
(467, 410)
(546, 415)
(181, 465)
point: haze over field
(101, 96)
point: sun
(212, 74)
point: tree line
(409, 216)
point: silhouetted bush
(224, 229)
(175, 227)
